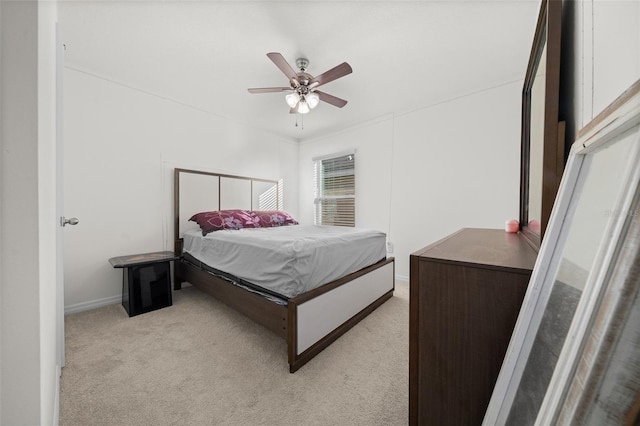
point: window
(335, 190)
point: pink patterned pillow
(270, 218)
(225, 219)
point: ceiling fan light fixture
(292, 99)
(303, 107)
(312, 99)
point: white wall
(607, 53)
(616, 50)
(423, 174)
(28, 216)
(121, 145)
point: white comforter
(288, 260)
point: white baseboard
(92, 304)
(402, 278)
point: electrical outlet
(389, 247)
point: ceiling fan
(304, 95)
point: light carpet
(199, 362)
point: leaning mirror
(596, 202)
(542, 138)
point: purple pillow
(270, 218)
(224, 219)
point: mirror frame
(548, 32)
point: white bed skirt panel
(337, 306)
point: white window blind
(335, 190)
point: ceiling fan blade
(333, 74)
(330, 99)
(284, 66)
(269, 89)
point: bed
(305, 283)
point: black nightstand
(146, 281)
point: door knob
(71, 221)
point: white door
(60, 200)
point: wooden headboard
(197, 191)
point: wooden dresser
(465, 295)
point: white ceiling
(205, 54)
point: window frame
(345, 215)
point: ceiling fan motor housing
(303, 80)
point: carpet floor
(199, 362)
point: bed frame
(309, 322)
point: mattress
(288, 260)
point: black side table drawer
(146, 281)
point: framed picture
(578, 312)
